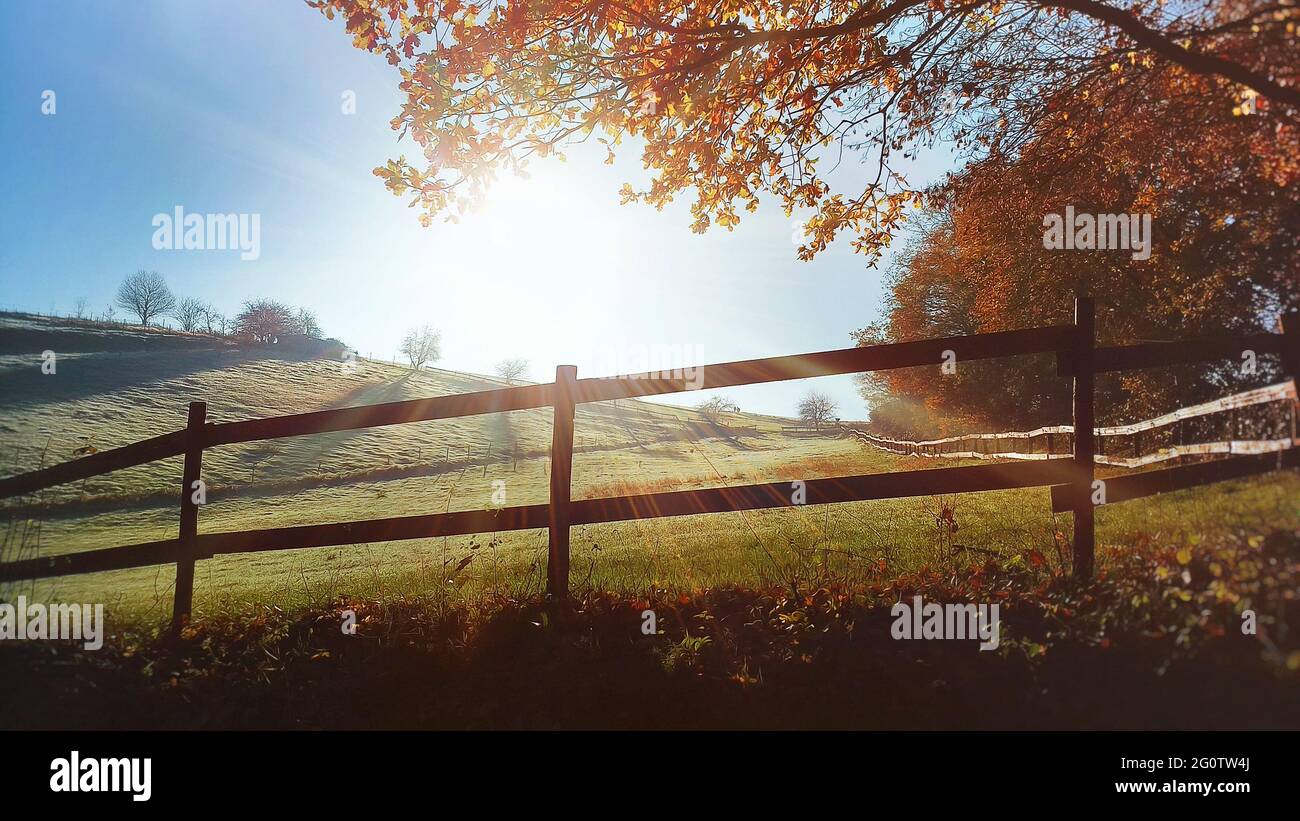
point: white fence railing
(1008, 445)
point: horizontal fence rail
(107, 461)
(207, 545)
(893, 485)
(1179, 352)
(525, 397)
(1148, 483)
(529, 517)
(828, 363)
(1070, 479)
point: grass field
(114, 387)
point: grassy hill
(114, 386)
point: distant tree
(145, 294)
(304, 322)
(512, 369)
(422, 346)
(189, 312)
(816, 409)
(263, 320)
(715, 410)
(899, 417)
(214, 321)
(79, 308)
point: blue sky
(235, 107)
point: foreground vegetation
(1154, 642)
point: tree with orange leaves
(1222, 186)
(733, 98)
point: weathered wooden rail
(1070, 479)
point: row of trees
(1219, 177)
(146, 296)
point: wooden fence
(1055, 441)
(1070, 479)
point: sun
(536, 249)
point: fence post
(557, 561)
(1085, 321)
(1291, 360)
(184, 596)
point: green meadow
(113, 387)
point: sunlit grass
(625, 447)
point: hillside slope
(115, 386)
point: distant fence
(1057, 440)
(1071, 479)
